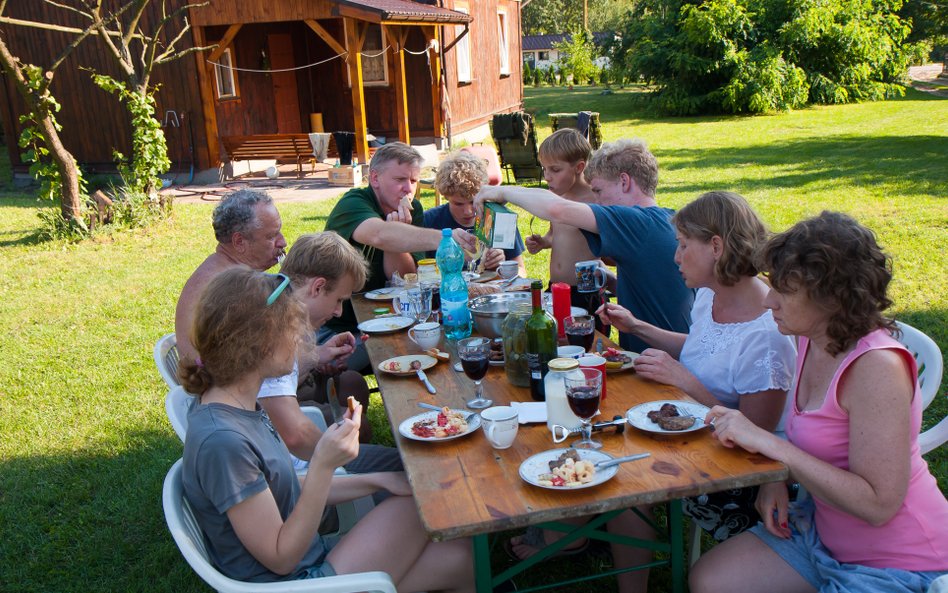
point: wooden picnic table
(463, 487)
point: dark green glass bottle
(541, 343)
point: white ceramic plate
(638, 416)
(404, 363)
(382, 294)
(473, 423)
(624, 367)
(533, 467)
(385, 325)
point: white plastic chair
(166, 359)
(931, 365)
(190, 541)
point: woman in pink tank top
(876, 520)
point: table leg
(677, 544)
(482, 570)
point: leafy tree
(576, 56)
(755, 56)
(558, 16)
(527, 73)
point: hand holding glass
(582, 394)
(475, 357)
(476, 254)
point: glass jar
(515, 344)
(557, 407)
(428, 271)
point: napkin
(530, 412)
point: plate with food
(383, 294)
(567, 469)
(445, 425)
(385, 325)
(668, 416)
(618, 360)
(406, 365)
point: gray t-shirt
(229, 456)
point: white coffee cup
(508, 269)
(570, 351)
(500, 425)
(427, 335)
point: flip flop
(533, 537)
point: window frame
(464, 44)
(224, 74)
(503, 42)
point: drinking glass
(420, 299)
(475, 357)
(476, 254)
(580, 330)
(582, 394)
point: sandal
(534, 538)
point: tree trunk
(71, 199)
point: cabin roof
(407, 10)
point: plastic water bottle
(455, 316)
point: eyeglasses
(279, 289)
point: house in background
(538, 50)
(416, 71)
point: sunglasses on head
(285, 282)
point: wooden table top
(464, 487)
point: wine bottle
(541, 343)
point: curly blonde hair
(234, 329)
(460, 175)
(729, 216)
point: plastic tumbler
(595, 362)
(561, 306)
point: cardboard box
(496, 226)
(346, 175)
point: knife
(337, 414)
(618, 460)
(424, 379)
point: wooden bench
(273, 146)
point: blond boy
(563, 156)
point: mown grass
(84, 442)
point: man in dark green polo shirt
(386, 224)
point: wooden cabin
(402, 69)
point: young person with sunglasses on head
(259, 521)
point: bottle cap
(536, 285)
(430, 261)
(381, 311)
(445, 232)
(563, 364)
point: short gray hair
(395, 151)
(236, 213)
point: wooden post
(431, 33)
(207, 102)
(400, 34)
(355, 36)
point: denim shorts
(322, 568)
(807, 555)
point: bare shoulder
(880, 375)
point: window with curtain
(502, 40)
(463, 50)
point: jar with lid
(557, 407)
(515, 344)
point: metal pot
(490, 310)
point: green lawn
(84, 442)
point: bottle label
(455, 312)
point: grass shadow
(92, 513)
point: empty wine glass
(475, 357)
(582, 394)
